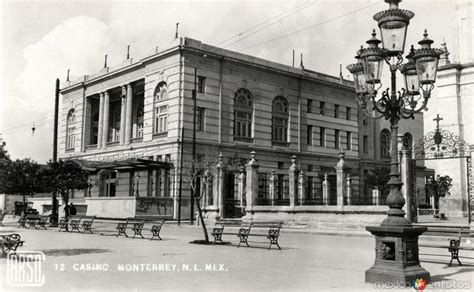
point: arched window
(280, 120)
(385, 143)
(160, 121)
(407, 141)
(70, 129)
(243, 112)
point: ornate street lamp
(396, 239)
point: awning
(131, 163)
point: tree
(378, 179)
(204, 172)
(63, 176)
(21, 177)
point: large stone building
(452, 99)
(132, 127)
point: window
(280, 164)
(108, 183)
(280, 120)
(201, 86)
(348, 113)
(114, 129)
(365, 143)
(336, 111)
(336, 139)
(70, 129)
(364, 121)
(309, 135)
(200, 116)
(243, 115)
(160, 122)
(407, 141)
(385, 143)
(310, 106)
(139, 121)
(349, 140)
(322, 104)
(322, 137)
(310, 167)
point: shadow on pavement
(73, 251)
(445, 277)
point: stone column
(406, 177)
(218, 183)
(105, 130)
(349, 190)
(128, 116)
(292, 180)
(341, 179)
(123, 112)
(376, 197)
(252, 182)
(326, 190)
(241, 189)
(271, 188)
(101, 121)
(301, 188)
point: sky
(41, 40)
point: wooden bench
(454, 245)
(268, 229)
(137, 227)
(10, 243)
(75, 222)
(155, 230)
(43, 219)
(63, 224)
(32, 220)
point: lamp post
(396, 239)
(137, 181)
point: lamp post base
(396, 258)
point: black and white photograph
(236, 145)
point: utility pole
(194, 145)
(180, 177)
(54, 201)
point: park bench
(75, 222)
(87, 223)
(268, 229)
(10, 243)
(454, 244)
(63, 224)
(32, 220)
(22, 222)
(137, 227)
(155, 230)
(43, 219)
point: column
(341, 179)
(326, 190)
(218, 183)
(349, 190)
(241, 190)
(101, 121)
(252, 182)
(292, 180)
(128, 116)
(406, 177)
(123, 112)
(301, 188)
(105, 129)
(271, 188)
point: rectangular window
(365, 144)
(348, 113)
(309, 187)
(71, 138)
(309, 135)
(321, 107)
(243, 124)
(280, 164)
(336, 111)
(201, 84)
(161, 119)
(280, 129)
(364, 121)
(322, 137)
(336, 139)
(349, 140)
(200, 119)
(310, 106)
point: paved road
(308, 262)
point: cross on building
(437, 120)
